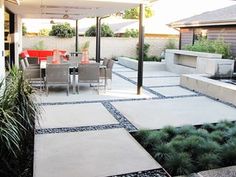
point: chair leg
(68, 90)
(47, 89)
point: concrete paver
(90, 154)
(155, 114)
(165, 81)
(173, 91)
(75, 115)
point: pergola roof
(75, 9)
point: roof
(70, 9)
(224, 16)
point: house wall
(228, 33)
(186, 36)
(2, 58)
(110, 47)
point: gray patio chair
(107, 72)
(105, 62)
(31, 65)
(57, 75)
(33, 75)
(89, 73)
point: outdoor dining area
(66, 70)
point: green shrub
(171, 44)
(156, 138)
(186, 130)
(105, 31)
(18, 114)
(218, 136)
(228, 153)
(62, 31)
(179, 164)
(131, 33)
(44, 32)
(208, 161)
(145, 51)
(171, 131)
(208, 127)
(142, 135)
(162, 152)
(211, 46)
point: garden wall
(110, 47)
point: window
(199, 33)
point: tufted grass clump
(189, 149)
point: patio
(91, 131)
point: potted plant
(85, 52)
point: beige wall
(110, 47)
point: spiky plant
(162, 152)
(18, 114)
(208, 127)
(208, 161)
(171, 131)
(218, 136)
(228, 153)
(179, 164)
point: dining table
(72, 66)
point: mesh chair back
(89, 72)
(75, 60)
(26, 62)
(105, 62)
(57, 73)
(22, 63)
(110, 64)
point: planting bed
(190, 149)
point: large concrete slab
(155, 114)
(173, 91)
(89, 154)
(165, 81)
(117, 89)
(75, 115)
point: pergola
(69, 9)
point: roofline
(210, 23)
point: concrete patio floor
(86, 134)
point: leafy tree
(105, 31)
(62, 31)
(134, 13)
(44, 32)
(24, 29)
(131, 33)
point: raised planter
(189, 62)
(216, 89)
(147, 65)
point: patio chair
(57, 75)
(88, 73)
(32, 64)
(107, 72)
(105, 62)
(33, 75)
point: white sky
(165, 11)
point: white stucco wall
(2, 59)
(18, 38)
(110, 47)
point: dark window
(199, 33)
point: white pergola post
(18, 38)
(2, 55)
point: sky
(165, 11)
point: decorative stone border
(123, 121)
(149, 173)
(77, 129)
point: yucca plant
(18, 113)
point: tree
(62, 31)
(24, 29)
(44, 32)
(105, 31)
(134, 13)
